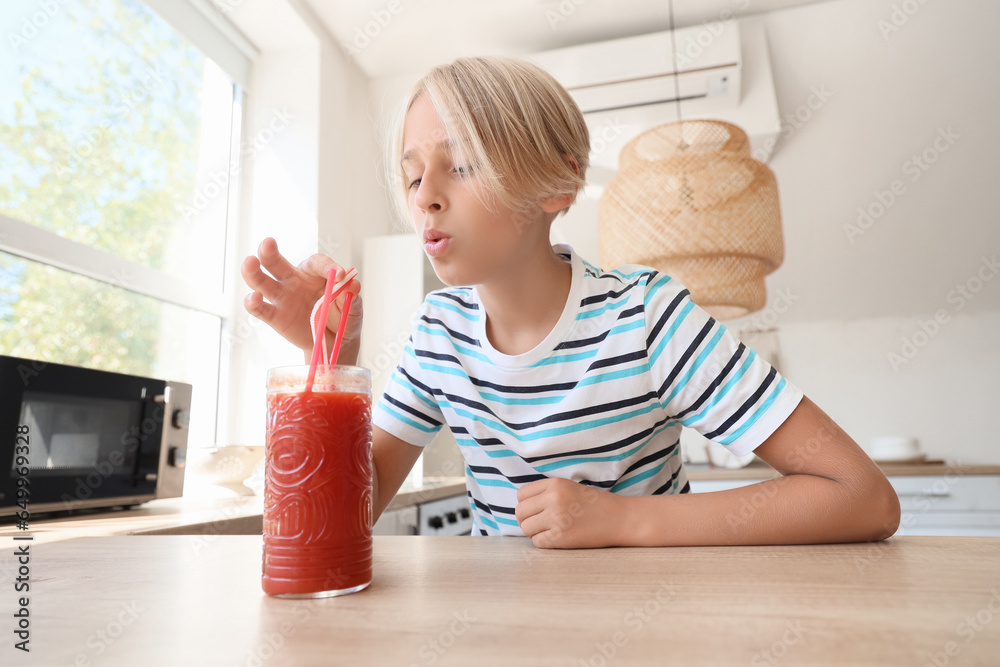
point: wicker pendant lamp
(689, 200)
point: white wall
(890, 99)
(945, 395)
(860, 298)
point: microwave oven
(86, 438)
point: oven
(445, 516)
(85, 438)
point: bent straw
(319, 329)
(340, 328)
(337, 289)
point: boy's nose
(430, 198)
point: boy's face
(467, 243)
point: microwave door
(146, 439)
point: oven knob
(176, 457)
(464, 513)
(435, 522)
(452, 517)
(180, 419)
(150, 477)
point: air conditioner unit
(626, 86)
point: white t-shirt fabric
(600, 401)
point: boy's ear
(556, 204)
(573, 163)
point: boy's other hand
(561, 514)
(286, 296)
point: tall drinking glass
(318, 482)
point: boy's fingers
(527, 509)
(256, 306)
(531, 489)
(257, 280)
(354, 287)
(274, 261)
(319, 265)
(526, 527)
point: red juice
(318, 492)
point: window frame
(209, 31)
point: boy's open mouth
(435, 242)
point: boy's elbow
(884, 512)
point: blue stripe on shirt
(492, 481)
(549, 432)
(555, 465)
(447, 370)
(509, 522)
(474, 317)
(719, 395)
(662, 280)
(493, 453)
(627, 276)
(558, 359)
(694, 367)
(406, 420)
(635, 479)
(419, 393)
(668, 334)
(758, 413)
(486, 521)
(613, 305)
(469, 352)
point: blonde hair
(511, 120)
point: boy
(566, 386)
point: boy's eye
(464, 170)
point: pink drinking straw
(319, 330)
(340, 328)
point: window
(118, 146)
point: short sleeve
(707, 379)
(408, 409)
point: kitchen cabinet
(951, 500)
(402, 521)
(413, 511)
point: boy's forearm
(793, 509)
(377, 505)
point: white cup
(894, 448)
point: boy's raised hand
(286, 297)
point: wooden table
(196, 600)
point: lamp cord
(673, 61)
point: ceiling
(388, 37)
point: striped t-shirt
(600, 401)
